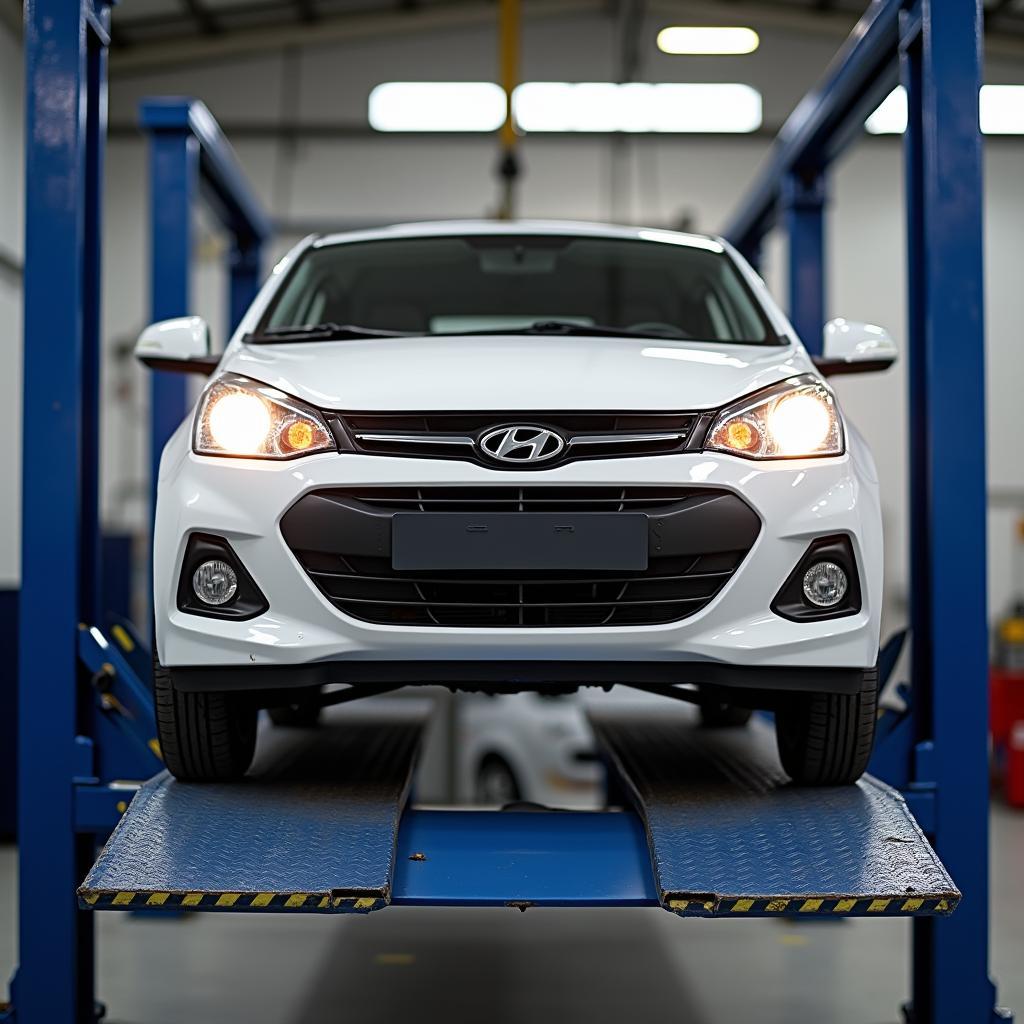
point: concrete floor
(501, 966)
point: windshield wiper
(321, 332)
(566, 328)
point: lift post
(803, 199)
(936, 46)
(85, 717)
(940, 48)
(65, 72)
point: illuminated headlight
(243, 418)
(797, 419)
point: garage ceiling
(140, 24)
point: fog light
(215, 582)
(825, 584)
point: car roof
(443, 228)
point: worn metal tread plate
(312, 827)
(730, 834)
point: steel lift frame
(88, 723)
(938, 754)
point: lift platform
(322, 825)
(729, 833)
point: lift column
(174, 180)
(940, 49)
(803, 202)
(65, 69)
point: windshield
(512, 283)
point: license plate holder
(509, 541)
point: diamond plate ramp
(729, 833)
(312, 827)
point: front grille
(698, 538)
(457, 435)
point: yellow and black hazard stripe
(108, 899)
(802, 906)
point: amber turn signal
(299, 435)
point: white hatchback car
(517, 456)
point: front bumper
(244, 501)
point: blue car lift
(709, 826)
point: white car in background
(512, 457)
(532, 747)
(537, 747)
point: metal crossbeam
(860, 76)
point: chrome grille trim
(415, 439)
(623, 438)
(458, 435)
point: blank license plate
(511, 540)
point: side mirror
(854, 347)
(181, 345)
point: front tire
(825, 739)
(204, 737)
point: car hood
(515, 372)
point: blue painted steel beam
(174, 179)
(825, 121)
(65, 53)
(126, 701)
(502, 858)
(244, 279)
(803, 199)
(942, 62)
(224, 181)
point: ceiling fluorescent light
(566, 107)
(698, 39)
(637, 107)
(1001, 111)
(437, 107)
(890, 116)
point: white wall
(659, 179)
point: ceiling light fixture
(1000, 108)
(437, 107)
(640, 107)
(637, 107)
(701, 39)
